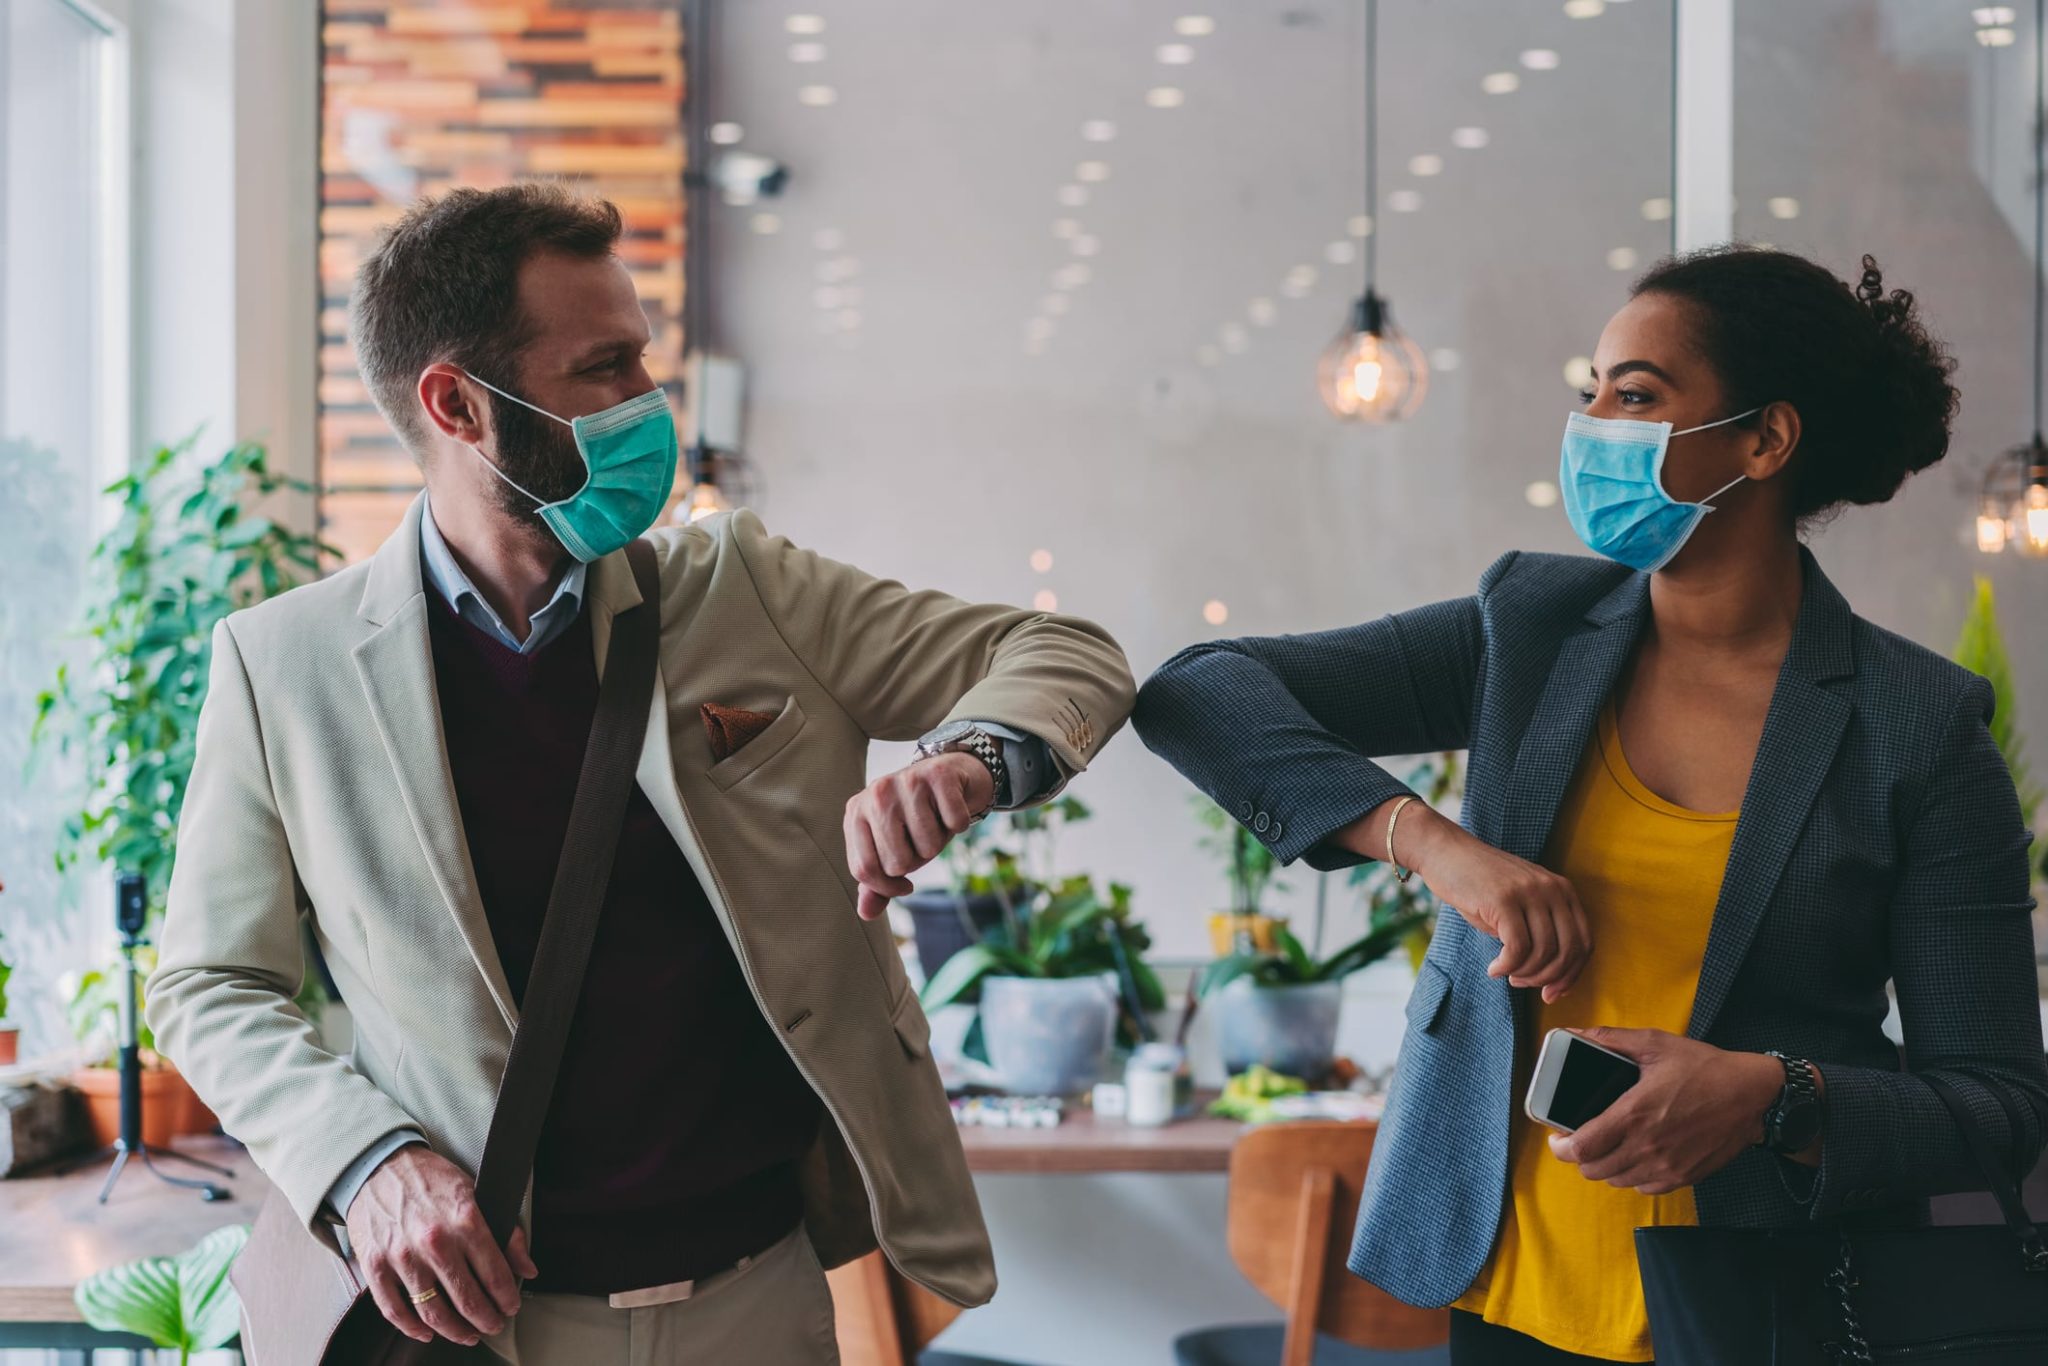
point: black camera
(131, 903)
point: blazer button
(1263, 823)
(1244, 811)
(1276, 832)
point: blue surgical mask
(629, 452)
(1611, 476)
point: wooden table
(53, 1235)
(1082, 1145)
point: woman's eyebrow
(1630, 367)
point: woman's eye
(1585, 397)
(1634, 397)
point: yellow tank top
(1648, 873)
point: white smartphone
(1575, 1080)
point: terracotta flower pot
(10, 1045)
(169, 1105)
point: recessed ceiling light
(1995, 37)
(1084, 245)
(806, 24)
(1072, 196)
(1071, 276)
(807, 52)
(1784, 206)
(726, 134)
(1098, 130)
(1165, 97)
(1470, 139)
(1621, 258)
(1194, 26)
(1540, 59)
(828, 239)
(1360, 225)
(1096, 171)
(1215, 611)
(1657, 210)
(847, 266)
(1541, 494)
(1055, 304)
(1993, 14)
(1405, 201)
(1501, 83)
(1041, 561)
(1175, 54)
(1427, 164)
(1262, 312)
(1066, 227)
(1235, 339)
(1445, 359)
(766, 224)
(1039, 327)
(1340, 253)
(1045, 600)
(1584, 9)
(1299, 282)
(1207, 355)
(1578, 372)
(849, 318)
(817, 96)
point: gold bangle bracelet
(1400, 874)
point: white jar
(1148, 1092)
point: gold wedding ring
(426, 1294)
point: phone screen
(1588, 1082)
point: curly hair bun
(1870, 382)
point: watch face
(1798, 1126)
(948, 733)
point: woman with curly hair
(1711, 813)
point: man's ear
(1777, 437)
(455, 404)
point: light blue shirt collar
(447, 577)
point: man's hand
(415, 1226)
(1695, 1110)
(901, 822)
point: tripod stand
(130, 1142)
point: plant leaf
(213, 1312)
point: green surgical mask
(629, 450)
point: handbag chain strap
(1842, 1280)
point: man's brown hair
(443, 285)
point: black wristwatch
(1791, 1125)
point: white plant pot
(1048, 1036)
(1291, 1029)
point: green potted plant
(995, 868)
(190, 546)
(1061, 976)
(1279, 1008)
(1981, 649)
(1252, 871)
(184, 1302)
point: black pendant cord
(1372, 139)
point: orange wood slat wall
(422, 96)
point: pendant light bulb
(2032, 523)
(1993, 528)
(1372, 371)
(703, 500)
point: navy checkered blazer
(1880, 840)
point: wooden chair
(1294, 1192)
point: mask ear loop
(1708, 501)
(491, 464)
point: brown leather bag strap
(556, 983)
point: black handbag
(1969, 1296)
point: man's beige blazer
(321, 788)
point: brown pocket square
(731, 728)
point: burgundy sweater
(670, 1150)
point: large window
(62, 392)
(423, 96)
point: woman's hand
(1695, 1110)
(1545, 939)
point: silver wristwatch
(966, 736)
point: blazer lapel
(396, 668)
(1802, 730)
(1554, 741)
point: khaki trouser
(775, 1311)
